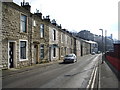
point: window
(54, 52)
(54, 35)
(23, 23)
(62, 37)
(23, 49)
(34, 23)
(42, 30)
(42, 51)
(71, 41)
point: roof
(92, 42)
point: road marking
(99, 86)
(93, 76)
(93, 83)
(90, 81)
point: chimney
(47, 18)
(39, 14)
(60, 26)
(26, 5)
(54, 22)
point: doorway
(36, 54)
(11, 53)
(50, 54)
(81, 50)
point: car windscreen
(69, 56)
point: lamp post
(105, 42)
(102, 45)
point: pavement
(108, 76)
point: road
(59, 75)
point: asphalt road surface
(58, 75)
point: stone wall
(0, 35)
(0, 44)
(37, 40)
(11, 32)
(78, 48)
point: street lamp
(105, 42)
(102, 44)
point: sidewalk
(107, 78)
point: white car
(93, 53)
(70, 58)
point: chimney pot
(26, 5)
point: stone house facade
(66, 43)
(29, 38)
(78, 47)
(40, 38)
(0, 35)
(53, 42)
(85, 47)
(16, 27)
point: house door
(11, 54)
(59, 54)
(81, 50)
(50, 53)
(36, 53)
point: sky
(77, 15)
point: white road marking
(90, 81)
(93, 76)
(93, 83)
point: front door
(11, 54)
(36, 53)
(81, 50)
(59, 54)
(50, 57)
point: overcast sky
(77, 15)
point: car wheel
(73, 61)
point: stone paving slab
(108, 78)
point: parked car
(93, 53)
(70, 58)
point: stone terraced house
(53, 42)
(16, 29)
(0, 35)
(66, 43)
(40, 38)
(29, 38)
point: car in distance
(93, 53)
(70, 58)
(98, 52)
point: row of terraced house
(29, 38)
